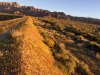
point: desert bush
(65, 57)
(48, 25)
(67, 61)
(63, 36)
(80, 38)
(57, 34)
(97, 39)
(1, 29)
(93, 43)
(83, 69)
(8, 17)
(49, 41)
(58, 57)
(70, 65)
(44, 34)
(62, 68)
(80, 45)
(62, 45)
(90, 35)
(94, 46)
(70, 34)
(1, 54)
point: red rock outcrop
(14, 7)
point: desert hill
(47, 44)
(22, 51)
(14, 7)
(85, 19)
(33, 45)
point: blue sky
(86, 8)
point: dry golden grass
(23, 51)
(26, 52)
(76, 53)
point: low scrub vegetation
(69, 47)
(8, 17)
(85, 46)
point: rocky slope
(85, 19)
(14, 7)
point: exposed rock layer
(14, 7)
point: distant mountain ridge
(14, 7)
(85, 19)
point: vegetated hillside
(75, 45)
(49, 46)
(22, 51)
(7, 16)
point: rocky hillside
(14, 7)
(85, 19)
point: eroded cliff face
(9, 7)
(9, 4)
(14, 7)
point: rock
(17, 13)
(14, 7)
(9, 4)
(98, 55)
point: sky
(81, 8)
